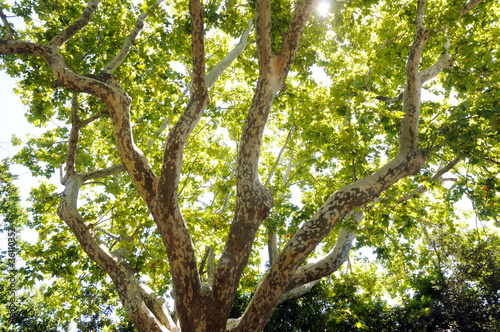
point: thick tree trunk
(198, 307)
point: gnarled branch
(210, 79)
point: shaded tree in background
(460, 294)
(156, 112)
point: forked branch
(119, 271)
(436, 177)
(332, 262)
(210, 79)
(445, 60)
(407, 162)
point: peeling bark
(186, 279)
(201, 308)
(407, 162)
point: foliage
(460, 293)
(162, 210)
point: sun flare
(323, 8)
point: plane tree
(190, 138)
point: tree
(110, 75)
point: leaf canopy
(332, 121)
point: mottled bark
(186, 279)
(407, 162)
(129, 290)
(332, 262)
(253, 200)
(207, 308)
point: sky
(14, 123)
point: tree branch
(408, 139)
(444, 61)
(158, 307)
(117, 101)
(277, 161)
(166, 211)
(198, 46)
(211, 267)
(116, 169)
(93, 117)
(436, 177)
(492, 161)
(263, 36)
(333, 261)
(272, 240)
(214, 74)
(76, 26)
(210, 79)
(127, 44)
(111, 235)
(298, 291)
(253, 200)
(291, 39)
(407, 162)
(204, 260)
(73, 138)
(468, 7)
(10, 31)
(119, 271)
(174, 146)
